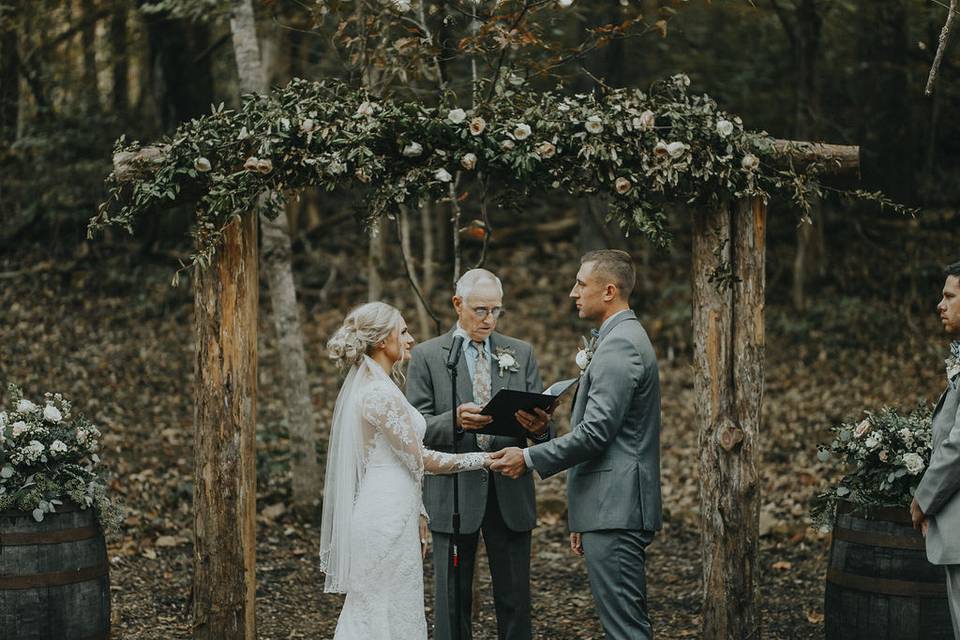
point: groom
(936, 503)
(612, 451)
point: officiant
(500, 509)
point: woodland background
(850, 309)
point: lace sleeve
(438, 463)
(390, 414)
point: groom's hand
(509, 462)
(576, 543)
(534, 422)
(916, 514)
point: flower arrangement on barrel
(884, 456)
(49, 456)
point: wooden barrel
(880, 585)
(54, 580)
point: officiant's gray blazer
(613, 449)
(939, 492)
(428, 389)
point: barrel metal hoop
(899, 515)
(886, 586)
(55, 578)
(872, 539)
(48, 537)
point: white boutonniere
(586, 353)
(953, 365)
(506, 360)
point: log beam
(836, 159)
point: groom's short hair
(952, 270)
(616, 265)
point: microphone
(453, 358)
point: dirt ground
(110, 333)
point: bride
(369, 543)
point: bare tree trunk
(224, 497)
(375, 262)
(423, 319)
(728, 362)
(427, 233)
(277, 260)
(88, 39)
(118, 41)
(9, 77)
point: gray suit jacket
(939, 491)
(613, 449)
(428, 389)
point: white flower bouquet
(884, 457)
(47, 457)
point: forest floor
(110, 333)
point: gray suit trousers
(616, 566)
(509, 554)
(953, 595)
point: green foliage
(639, 151)
(48, 456)
(884, 456)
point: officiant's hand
(576, 543)
(469, 418)
(509, 462)
(535, 422)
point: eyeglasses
(483, 312)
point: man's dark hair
(616, 265)
(953, 270)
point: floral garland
(640, 151)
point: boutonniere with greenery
(585, 355)
(506, 360)
(953, 365)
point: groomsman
(502, 509)
(936, 503)
(612, 451)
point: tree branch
(941, 47)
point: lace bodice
(393, 429)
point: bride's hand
(424, 538)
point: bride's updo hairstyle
(362, 329)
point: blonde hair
(361, 330)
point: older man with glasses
(502, 509)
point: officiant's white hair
(469, 280)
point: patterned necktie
(481, 389)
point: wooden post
(224, 496)
(728, 361)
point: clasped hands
(508, 461)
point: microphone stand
(452, 362)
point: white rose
(264, 165)
(564, 3)
(25, 406)
(506, 360)
(593, 124)
(468, 161)
(582, 359)
(913, 463)
(546, 150)
(202, 165)
(308, 125)
(871, 442)
(58, 447)
(18, 427)
(507, 145)
(622, 185)
(52, 414)
(401, 5)
(660, 150)
(456, 116)
(365, 109)
(645, 121)
(750, 162)
(676, 149)
(724, 128)
(477, 125)
(443, 175)
(521, 131)
(81, 436)
(412, 150)
(6, 472)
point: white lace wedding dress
(384, 582)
